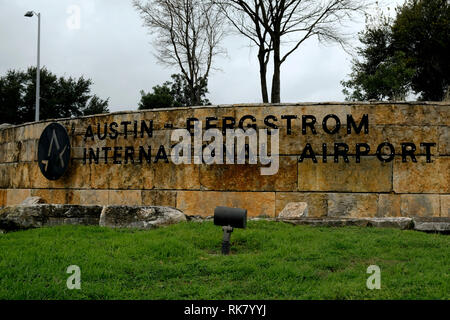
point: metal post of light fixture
(38, 70)
(229, 218)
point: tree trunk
(197, 95)
(192, 93)
(276, 71)
(263, 76)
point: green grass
(269, 260)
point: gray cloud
(113, 49)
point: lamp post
(38, 70)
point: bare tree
(188, 36)
(246, 22)
(289, 23)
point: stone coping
(247, 105)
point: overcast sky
(113, 49)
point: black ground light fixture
(229, 218)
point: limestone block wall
(371, 188)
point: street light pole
(38, 69)
(38, 73)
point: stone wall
(371, 188)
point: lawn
(268, 260)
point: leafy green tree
(185, 95)
(381, 74)
(59, 97)
(161, 97)
(12, 91)
(96, 106)
(422, 31)
(408, 54)
(175, 94)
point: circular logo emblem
(54, 151)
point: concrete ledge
(139, 217)
(399, 223)
(23, 217)
(432, 225)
